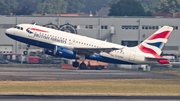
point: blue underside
(51, 46)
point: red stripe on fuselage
(149, 51)
(35, 29)
(164, 35)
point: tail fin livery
(154, 44)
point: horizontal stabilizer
(160, 60)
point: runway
(86, 98)
(33, 74)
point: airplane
(71, 46)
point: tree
(149, 5)
(96, 5)
(52, 6)
(11, 6)
(75, 6)
(26, 7)
(7, 6)
(3, 7)
(127, 8)
(169, 6)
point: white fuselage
(131, 55)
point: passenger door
(132, 55)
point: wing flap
(90, 51)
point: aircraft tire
(75, 64)
(25, 52)
(82, 66)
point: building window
(104, 27)
(150, 27)
(175, 27)
(129, 43)
(89, 27)
(130, 27)
(75, 26)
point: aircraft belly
(115, 59)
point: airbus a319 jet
(72, 46)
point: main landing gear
(26, 51)
(75, 64)
(81, 65)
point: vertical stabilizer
(155, 43)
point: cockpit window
(18, 27)
(15, 27)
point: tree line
(117, 7)
(27, 7)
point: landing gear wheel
(75, 64)
(82, 66)
(25, 52)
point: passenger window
(21, 28)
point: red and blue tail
(155, 43)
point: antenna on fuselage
(34, 23)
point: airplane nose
(8, 31)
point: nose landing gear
(26, 51)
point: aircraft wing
(90, 51)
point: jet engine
(61, 52)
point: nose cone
(8, 31)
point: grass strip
(93, 87)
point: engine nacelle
(49, 52)
(61, 52)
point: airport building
(121, 30)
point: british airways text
(49, 37)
